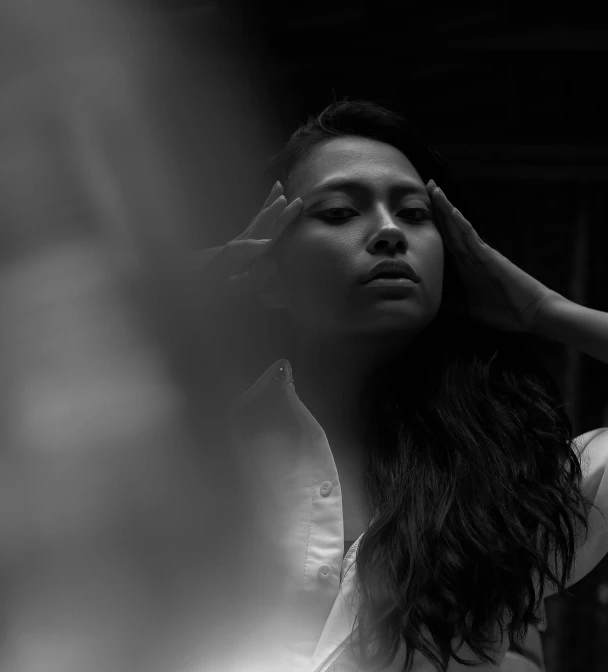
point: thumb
(233, 258)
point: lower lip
(393, 283)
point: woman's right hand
(232, 262)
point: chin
(399, 321)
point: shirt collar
(279, 371)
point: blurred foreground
(126, 528)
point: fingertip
(280, 200)
(276, 189)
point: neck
(330, 378)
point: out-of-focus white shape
(127, 542)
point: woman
(406, 415)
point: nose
(388, 237)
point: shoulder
(592, 449)
(584, 440)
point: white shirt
(307, 614)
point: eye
(416, 214)
(336, 214)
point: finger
(441, 200)
(275, 192)
(439, 213)
(446, 212)
(462, 230)
(470, 235)
(237, 278)
(236, 256)
(246, 250)
(203, 258)
(261, 226)
(289, 215)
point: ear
(267, 283)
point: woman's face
(364, 202)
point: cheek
(431, 257)
(313, 260)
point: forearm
(575, 326)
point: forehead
(363, 157)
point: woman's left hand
(499, 294)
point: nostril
(383, 244)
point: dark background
(513, 94)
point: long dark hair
(470, 470)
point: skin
(343, 330)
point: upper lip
(396, 268)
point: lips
(392, 268)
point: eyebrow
(351, 185)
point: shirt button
(324, 572)
(325, 488)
